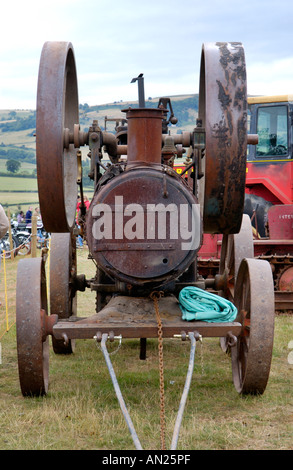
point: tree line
(19, 123)
(17, 153)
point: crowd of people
(26, 218)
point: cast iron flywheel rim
(223, 111)
(32, 346)
(63, 295)
(234, 248)
(57, 109)
(254, 299)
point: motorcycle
(5, 246)
(42, 235)
(22, 237)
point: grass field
(18, 138)
(18, 193)
(81, 411)
(11, 183)
(29, 167)
(22, 192)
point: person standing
(80, 218)
(4, 225)
(4, 222)
(20, 217)
(28, 216)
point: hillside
(17, 143)
(17, 127)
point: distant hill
(18, 142)
(18, 127)
(185, 108)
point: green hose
(198, 304)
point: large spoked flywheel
(57, 110)
(223, 112)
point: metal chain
(155, 296)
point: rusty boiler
(142, 216)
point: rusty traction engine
(145, 223)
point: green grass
(11, 183)
(29, 167)
(19, 138)
(81, 410)
(21, 192)
(16, 192)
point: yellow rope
(5, 287)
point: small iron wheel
(254, 299)
(32, 344)
(63, 294)
(223, 113)
(235, 247)
(57, 110)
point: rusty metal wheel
(31, 312)
(254, 299)
(223, 111)
(63, 295)
(57, 109)
(234, 248)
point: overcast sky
(115, 40)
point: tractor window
(272, 129)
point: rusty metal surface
(223, 111)
(280, 219)
(254, 299)
(63, 270)
(57, 109)
(144, 135)
(31, 330)
(283, 300)
(286, 280)
(134, 317)
(134, 265)
(235, 247)
(149, 259)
